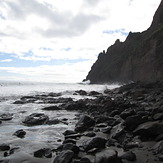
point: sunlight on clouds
(6, 60)
(48, 30)
(74, 72)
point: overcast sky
(59, 40)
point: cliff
(138, 58)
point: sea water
(41, 136)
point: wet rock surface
(20, 133)
(119, 126)
(36, 119)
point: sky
(59, 40)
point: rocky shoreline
(122, 125)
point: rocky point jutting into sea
(121, 125)
(138, 58)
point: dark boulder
(78, 105)
(69, 132)
(73, 136)
(158, 147)
(81, 92)
(36, 119)
(72, 147)
(69, 140)
(20, 133)
(51, 108)
(114, 112)
(111, 142)
(159, 137)
(158, 116)
(6, 116)
(84, 123)
(160, 158)
(94, 93)
(107, 156)
(149, 130)
(96, 142)
(129, 156)
(132, 122)
(117, 131)
(64, 157)
(106, 130)
(127, 113)
(4, 147)
(45, 152)
(53, 121)
(90, 134)
(104, 119)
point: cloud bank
(60, 40)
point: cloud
(6, 60)
(60, 39)
(55, 23)
(2, 17)
(72, 72)
(75, 26)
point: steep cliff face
(138, 58)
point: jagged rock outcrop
(138, 58)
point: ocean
(40, 136)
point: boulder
(84, 123)
(149, 129)
(4, 147)
(90, 134)
(6, 116)
(158, 116)
(81, 92)
(133, 121)
(107, 156)
(94, 93)
(159, 137)
(69, 140)
(53, 121)
(20, 133)
(96, 142)
(45, 152)
(51, 108)
(117, 131)
(104, 119)
(64, 157)
(106, 130)
(36, 119)
(69, 132)
(78, 105)
(160, 158)
(72, 147)
(73, 136)
(129, 156)
(127, 113)
(158, 147)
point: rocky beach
(89, 123)
(122, 125)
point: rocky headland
(138, 58)
(122, 125)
